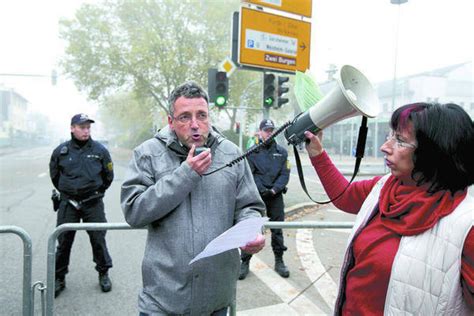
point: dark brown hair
(444, 133)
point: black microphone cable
(361, 140)
(253, 149)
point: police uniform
(271, 172)
(81, 172)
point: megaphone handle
(359, 155)
(362, 138)
(300, 175)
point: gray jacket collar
(167, 136)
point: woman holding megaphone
(411, 250)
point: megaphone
(353, 95)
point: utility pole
(394, 83)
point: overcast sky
(432, 34)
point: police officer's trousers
(276, 212)
(92, 212)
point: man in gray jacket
(166, 189)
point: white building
(13, 117)
(451, 84)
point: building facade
(13, 117)
(452, 84)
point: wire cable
(253, 149)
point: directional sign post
(273, 41)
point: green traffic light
(268, 101)
(220, 100)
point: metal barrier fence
(123, 226)
(27, 266)
(51, 257)
(309, 224)
(28, 297)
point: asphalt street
(313, 257)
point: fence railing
(27, 299)
(51, 257)
(309, 224)
(28, 295)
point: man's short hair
(189, 90)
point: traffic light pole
(266, 113)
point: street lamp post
(394, 83)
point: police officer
(81, 169)
(271, 173)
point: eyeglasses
(187, 118)
(398, 142)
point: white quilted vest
(425, 278)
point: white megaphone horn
(353, 95)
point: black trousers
(92, 212)
(276, 213)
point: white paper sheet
(236, 236)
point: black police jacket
(270, 167)
(79, 172)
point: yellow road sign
(301, 7)
(273, 41)
(228, 66)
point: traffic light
(218, 87)
(282, 90)
(268, 90)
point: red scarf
(411, 210)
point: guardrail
(123, 226)
(28, 296)
(308, 224)
(51, 257)
(27, 266)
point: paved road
(25, 188)
(313, 257)
(25, 191)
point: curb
(299, 208)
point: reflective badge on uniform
(288, 165)
(110, 166)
